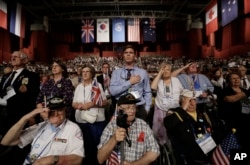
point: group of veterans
(122, 116)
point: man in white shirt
(53, 141)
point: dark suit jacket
(182, 133)
(101, 80)
(22, 102)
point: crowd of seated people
(206, 96)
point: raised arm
(12, 136)
(176, 72)
(154, 83)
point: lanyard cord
(165, 91)
(59, 129)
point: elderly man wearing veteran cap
(193, 132)
(128, 135)
(56, 140)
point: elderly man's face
(130, 110)
(56, 117)
(16, 59)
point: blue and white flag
(118, 30)
(17, 26)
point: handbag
(89, 116)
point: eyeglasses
(56, 112)
(127, 108)
(235, 78)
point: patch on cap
(127, 99)
(56, 103)
(188, 93)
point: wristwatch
(56, 159)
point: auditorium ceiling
(75, 10)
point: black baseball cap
(56, 103)
(127, 99)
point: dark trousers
(91, 136)
(141, 113)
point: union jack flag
(96, 93)
(88, 31)
(113, 159)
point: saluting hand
(36, 111)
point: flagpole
(122, 152)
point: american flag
(96, 93)
(88, 31)
(113, 159)
(133, 30)
(221, 155)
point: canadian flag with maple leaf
(211, 18)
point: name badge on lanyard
(206, 143)
(135, 94)
(245, 108)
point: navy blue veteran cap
(56, 103)
(127, 99)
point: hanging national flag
(149, 33)
(102, 30)
(88, 31)
(17, 21)
(229, 11)
(96, 96)
(211, 18)
(113, 159)
(221, 155)
(3, 14)
(118, 30)
(246, 6)
(133, 30)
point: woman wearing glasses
(168, 93)
(89, 102)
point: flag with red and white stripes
(133, 30)
(113, 159)
(221, 155)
